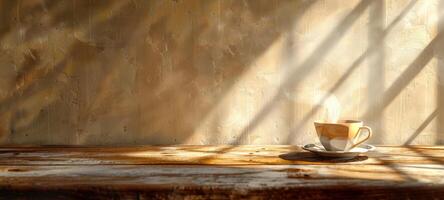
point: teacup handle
(369, 134)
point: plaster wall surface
(218, 72)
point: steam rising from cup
(330, 108)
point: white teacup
(342, 136)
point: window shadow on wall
(375, 47)
(296, 75)
(126, 72)
(149, 72)
(300, 72)
(423, 125)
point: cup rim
(341, 121)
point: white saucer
(320, 150)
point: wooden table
(203, 172)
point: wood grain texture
(218, 172)
(213, 155)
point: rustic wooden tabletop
(205, 172)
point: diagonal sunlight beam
(395, 168)
(308, 65)
(371, 50)
(406, 77)
(431, 158)
(299, 9)
(422, 127)
(414, 68)
(421, 59)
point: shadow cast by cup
(310, 157)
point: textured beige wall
(217, 71)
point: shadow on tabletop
(311, 157)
